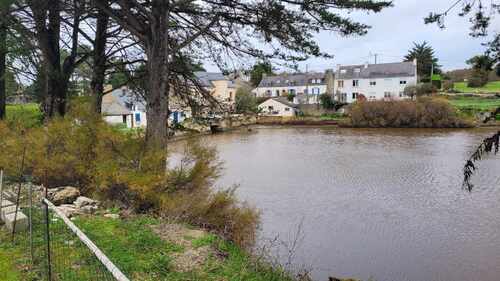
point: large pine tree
(222, 29)
(426, 59)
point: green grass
(28, 115)
(8, 270)
(465, 103)
(137, 251)
(491, 87)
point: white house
(374, 81)
(279, 106)
(122, 106)
(305, 86)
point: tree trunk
(97, 83)
(3, 55)
(158, 73)
(47, 18)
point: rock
(68, 210)
(89, 209)
(8, 210)
(21, 222)
(83, 201)
(65, 195)
(112, 216)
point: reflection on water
(385, 204)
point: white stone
(68, 210)
(89, 209)
(83, 201)
(21, 222)
(8, 210)
(6, 203)
(112, 216)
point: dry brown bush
(425, 112)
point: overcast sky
(393, 32)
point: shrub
(423, 113)
(245, 101)
(326, 101)
(113, 165)
(478, 79)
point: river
(385, 204)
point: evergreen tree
(258, 70)
(426, 59)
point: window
(124, 119)
(315, 91)
(373, 83)
(387, 94)
(138, 117)
(291, 91)
(357, 70)
(354, 96)
(277, 92)
(402, 82)
(343, 71)
(340, 83)
(270, 108)
(287, 108)
(355, 83)
(268, 92)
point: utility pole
(432, 71)
(376, 58)
(307, 83)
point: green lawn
(475, 103)
(492, 87)
(140, 253)
(27, 114)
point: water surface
(385, 204)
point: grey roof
(206, 78)
(114, 108)
(117, 102)
(285, 101)
(299, 79)
(382, 70)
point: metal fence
(53, 247)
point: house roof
(115, 103)
(112, 106)
(299, 79)
(382, 70)
(283, 100)
(206, 78)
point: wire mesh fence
(52, 247)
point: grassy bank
(143, 250)
(27, 114)
(470, 103)
(491, 87)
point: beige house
(279, 106)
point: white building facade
(305, 87)
(385, 81)
(278, 106)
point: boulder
(112, 216)
(89, 209)
(69, 210)
(21, 222)
(65, 195)
(8, 210)
(83, 201)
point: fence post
(1, 190)
(30, 210)
(47, 239)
